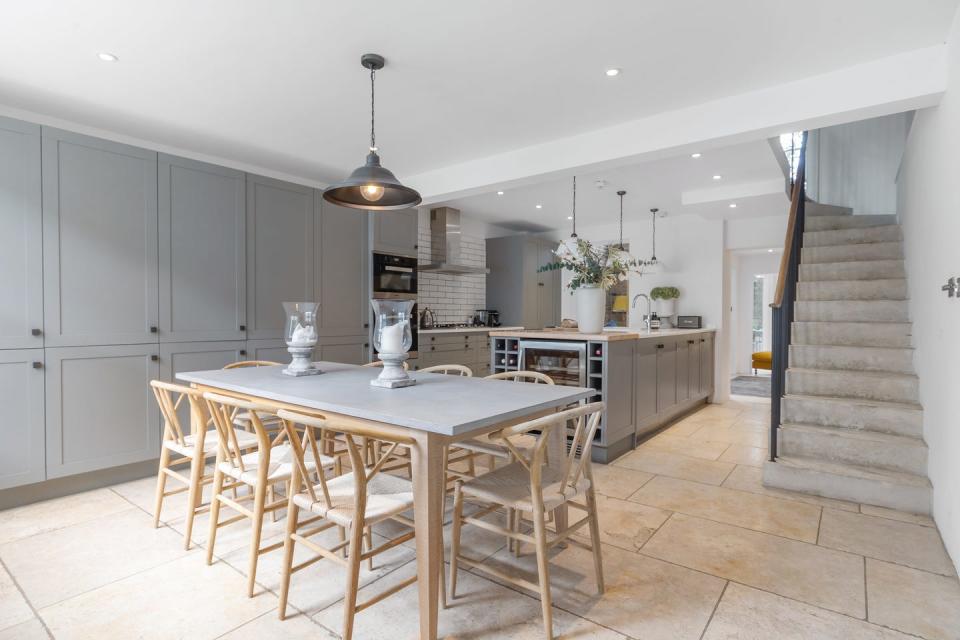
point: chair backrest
(521, 376)
(586, 419)
(379, 363)
(170, 399)
(353, 435)
(450, 369)
(224, 410)
(251, 363)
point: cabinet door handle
(36, 332)
(243, 352)
(366, 344)
(153, 329)
(691, 341)
(243, 327)
(366, 325)
(38, 365)
(660, 346)
(154, 357)
(433, 348)
(703, 339)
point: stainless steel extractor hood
(445, 240)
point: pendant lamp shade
(372, 187)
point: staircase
(850, 425)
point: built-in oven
(394, 274)
(564, 362)
(413, 323)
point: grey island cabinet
(646, 379)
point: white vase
(590, 308)
(667, 308)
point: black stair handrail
(786, 294)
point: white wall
(745, 266)
(930, 211)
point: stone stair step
(825, 223)
(858, 270)
(852, 334)
(863, 235)
(815, 209)
(862, 358)
(852, 446)
(884, 386)
(888, 289)
(852, 252)
(851, 311)
(871, 415)
(890, 489)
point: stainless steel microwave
(394, 274)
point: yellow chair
(762, 360)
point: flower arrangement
(602, 266)
(664, 293)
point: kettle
(427, 319)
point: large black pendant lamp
(371, 187)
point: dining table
(438, 411)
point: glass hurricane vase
(392, 338)
(300, 334)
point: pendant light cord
(654, 257)
(574, 234)
(373, 135)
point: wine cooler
(565, 362)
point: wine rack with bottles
(505, 355)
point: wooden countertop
(606, 336)
(455, 330)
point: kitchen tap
(646, 318)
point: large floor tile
(231, 537)
(321, 584)
(48, 515)
(812, 574)
(686, 446)
(91, 553)
(760, 513)
(750, 614)
(752, 436)
(644, 598)
(30, 630)
(676, 466)
(684, 427)
(625, 524)
(746, 478)
(618, 482)
(143, 493)
(482, 609)
(898, 542)
(914, 601)
(745, 454)
(893, 514)
(297, 626)
(179, 599)
(13, 608)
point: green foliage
(664, 293)
(602, 266)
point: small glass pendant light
(621, 193)
(372, 187)
(653, 265)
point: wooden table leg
(428, 493)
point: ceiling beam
(906, 81)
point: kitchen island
(647, 378)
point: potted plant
(666, 298)
(595, 270)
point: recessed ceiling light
(613, 72)
(499, 193)
(733, 205)
(569, 217)
(539, 206)
(717, 177)
(695, 155)
(769, 250)
(107, 57)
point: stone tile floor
(694, 547)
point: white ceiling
(657, 183)
(278, 84)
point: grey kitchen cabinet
(22, 458)
(280, 252)
(21, 236)
(515, 287)
(347, 349)
(645, 384)
(706, 363)
(666, 374)
(274, 350)
(202, 216)
(100, 261)
(683, 369)
(177, 357)
(342, 270)
(99, 407)
(396, 232)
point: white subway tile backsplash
(453, 298)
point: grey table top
(444, 404)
